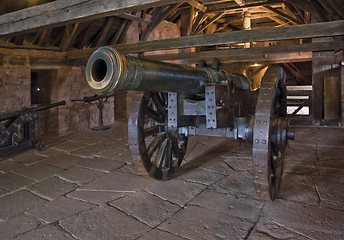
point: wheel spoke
(152, 130)
(154, 154)
(159, 138)
(168, 159)
(158, 103)
(153, 114)
(160, 154)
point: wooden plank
(331, 99)
(268, 58)
(61, 12)
(197, 5)
(321, 61)
(134, 18)
(32, 53)
(268, 34)
(246, 52)
(299, 88)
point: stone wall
(14, 83)
(68, 82)
(163, 31)
(76, 116)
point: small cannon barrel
(49, 106)
(18, 113)
(108, 71)
(89, 99)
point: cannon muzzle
(109, 71)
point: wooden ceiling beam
(62, 12)
(32, 53)
(325, 29)
(247, 52)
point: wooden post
(321, 67)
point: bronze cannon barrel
(109, 71)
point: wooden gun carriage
(181, 101)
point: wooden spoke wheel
(156, 152)
(271, 133)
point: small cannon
(100, 107)
(181, 101)
(17, 129)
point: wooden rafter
(197, 5)
(305, 6)
(201, 17)
(329, 10)
(157, 17)
(124, 25)
(104, 31)
(279, 21)
(61, 12)
(211, 21)
(132, 17)
(44, 37)
(86, 36)
(291, 19)
(69, 36)
(334, 28)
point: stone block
(194, 222)
(38, 170)
(312, 221)
(50, 231)
(120, 182)
(59, 208)
(159, 234)
(146, 207)
(243, 208)
(80, 175)
(12, 181)
(52, 187)
(98, 197)
(103, 223)
(101, 164)
(28, 157)
(17, 203)
(17, 225)
(176, 191)
(272, 230)
(9, 165)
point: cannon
(17, 129)
(181, 101)
(100, 107)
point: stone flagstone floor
(84, 186)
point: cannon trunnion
(180, 101)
